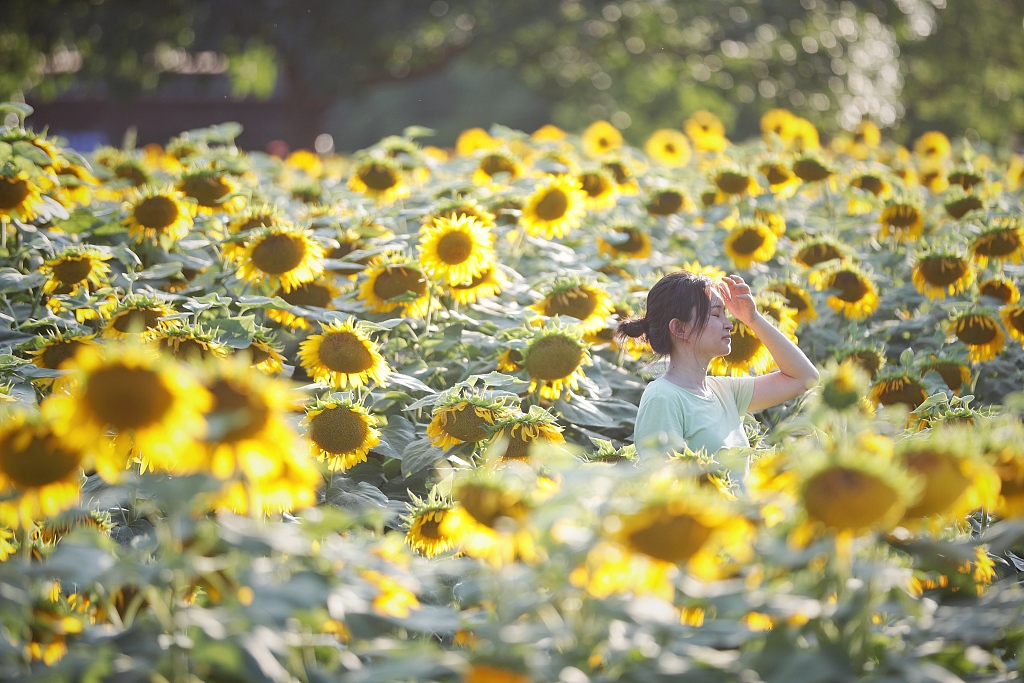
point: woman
(687, 321)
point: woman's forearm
(787, 355)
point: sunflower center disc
(308, 294)
(260, 221)
(594, 184)
(36, 461)
(338, 430)
(575, 303)
(1000, 243)
(156, 213)
(944, 482)
(495, 163)
(775, 174)
(950, 374)
(487, 505)
(976, 331)
(942, 272)
(670, 538)
(73, 270)
(455, 247)
(132, 173)
(344, 352)
(430, 529)
(732, 183)
(518, 447)
(851, 287)
(665, 203)
(465, 425)
(813, 254)
(13, 193)
(1016, 320)
(902, 390)
(964, 180)
(552, 358)
(185, 349)
(206, 190)
(870, 183)
(745, 346)
(634, 242)
(396, 281)
(845, 498)
(810, 170)
(135, 320)
(553, 205)
(378, 177)
(475, 282)
(749, 241)
(237, 413)
(902, 216)
(958, 208)
(127, 398)
(57, 353)
(277, 254)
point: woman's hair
(682, 295)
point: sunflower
(600, 138)
(979, 330)
(77, 184)
(856, 296)
(554, 360)
(668, 201)
(380, 179)
(134, 315)
(938, 273)
(456, 250)
(261, 215)
(750, 241)
(1001, 288)
(844, 385)
(955, 479)
(522, 432)
(933, 177)
(187, 342)
(316, 294)
(74, 269)
(484, 286)
(572, 297)
(52, 352)
(777, 122)
(797, 298)
(151, 212)
(262, 353)
(781, 181)
(341, 432)
(497, 163)
(432, 527)
(492, 514)
(897, 386)
(600, 187)
(342, 356)
(396, 282)
(131, 391)
(959, 202)
(212, 190)
(627, 241)
(458, 417)
(803, 136)
(811, 168)
(706, 131)
(1001, 241)
(1013, 319)
(734, 181)
(40, 471)
(463, 206)
(873, 183)
(548, 133)
(749, 355)
(870, 357)
(901, 219)
(554, 208)
(954, 372)
(933, 146)
(472, 140)
(281, 256)
(668, 147)
(774, 306)
(622, 170)
(20, 196)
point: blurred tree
(643, 64)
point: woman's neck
(687, 371)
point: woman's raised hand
(738, 299)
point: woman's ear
(678, 329)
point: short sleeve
(743, 392)
(659, 415)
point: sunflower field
(362, 417)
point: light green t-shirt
(670, 416)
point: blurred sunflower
(548, 133)
(797, 298)
(622, 169)
(262, 215)
(775, 307)
(933, 146)
(280, 256)
(777, 122)
(706, 131)
(933, 177)
(396, 282)
(459, 417)
(750, 241)
(955, 373)
(522, 432)
(554, 360)
(803, 136)
(463, 206)
(812, 168)
(574, 297)
(77, 184)
(151, 212)
(1001, 288)
(52, 352)
(855, 297)
(187, 342)
(870, 357)
(20, 196)
(554, 208)
(626, 241)
(600, 188)
(380, 179)
(318, 293)
(600, 138)
(341, 432)
(782, 182)
(1014, 172)
(432, 525)
(669, 148)
(901, 219)
(456, 250)
(979, 330)
(748, 356)
(897, 386)
(492, 516)
(473, 140)
(74, 269)
(667, 201)
(1001, 241)
(213, 191)
(488, 284)
(262, 353)
(135, 314)
(844, 385)
(40, 471)
(938, 272)
(873, 183)
(500, 163)
(1013, 319)
(733, 181)
(129, 390)
(959, 202)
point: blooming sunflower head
(282, 256)
(456, 250)
(732, 180)
(951, 367)
(812, 168)
(75, 268)
(938, 272)
(600, 188)
(897, 386)
(135, 314)
(999, 288)
(52, 352)
(870, 357)
(933, 146)
(843, 385)
(472, 140)
(796, 297)
(778, 123)
(625, 240)
(213, 191)
(262, 215)
(979, 330)
(464, 417)
(1013, 318)
(706, 131)
(555, 207)
(554, 360)
(318, 293)
(750, 241)
(340, 431)
(263, 353)
(747, 355)
(152, 212)
(516, 435)
(1003, 240)
(186, 341)
(396, 282)
(496, 168)
(432, 525)
(668, 148)
(573, 297)
(854, 294)
(667, 201)
(462, 206)
(873, 183)
(343, 356)
(779, 176)
(380, 179)
(901, 219)
(624, 172)
(959, 202)
(600, 138)
(487, 284)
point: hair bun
(635, 327)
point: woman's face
(715, 339)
